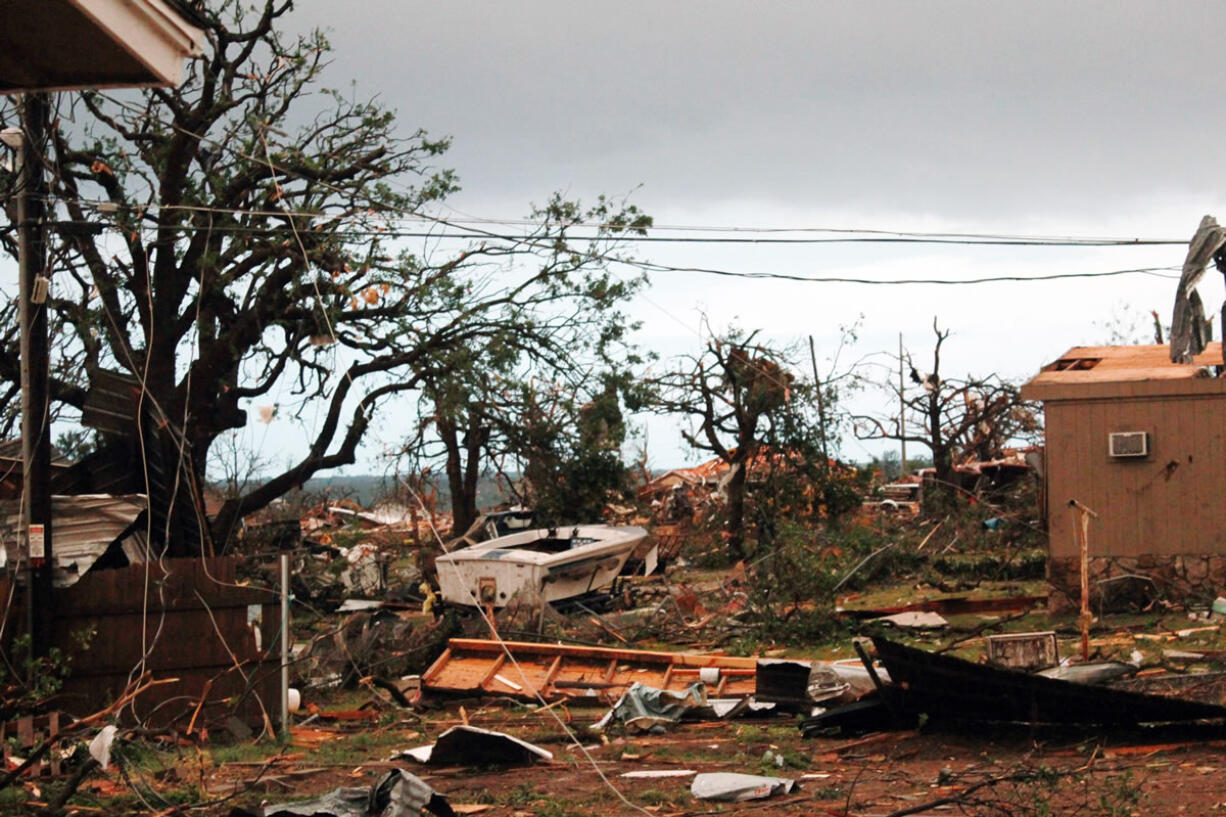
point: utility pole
(821, 404)
(902, 410)
(35, 402)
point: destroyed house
(1141, 441)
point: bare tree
(955, 418)
(732, 392)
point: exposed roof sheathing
(1087, 372)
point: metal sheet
(82, 528)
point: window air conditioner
(1128, 444)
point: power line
(847, 236)
(991, 279)
(655, 267)
(473, 234)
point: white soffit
(60, 45)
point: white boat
(557, 564)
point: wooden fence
(180, 618)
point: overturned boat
(556, 564)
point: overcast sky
(1080, 119)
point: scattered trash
(358, 605)
(398, 794)
(365, 574)
(737, 788)
(642, 707)
(471, 745)
(825, 684)
(100, 746)
(726, 709)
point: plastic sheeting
(642, 707)
(738, 787)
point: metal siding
(1061, 460)
(1143, 509)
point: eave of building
(61, 45)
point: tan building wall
(1171, 502)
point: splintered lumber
(598, 675)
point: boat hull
(533, 562)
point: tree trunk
(474, 439)
(463, 512)
(736, 507)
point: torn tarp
(642, 707)
(398, 794)
(471, 745)
(738, 787)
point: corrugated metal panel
(124, 465)
(82, 528)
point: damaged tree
(535, 414)
(734, 393)
(956, 419)
(246, 251)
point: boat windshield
(555, 544)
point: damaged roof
(1125, 371)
